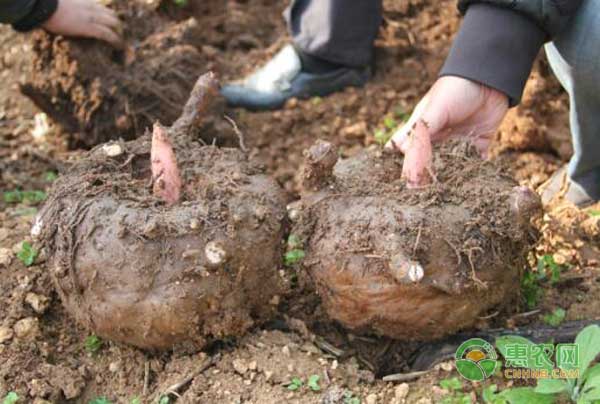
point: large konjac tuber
(162, 242)
(414, 264)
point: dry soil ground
(43, 352)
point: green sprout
(27, 254)
(50, 176)
(295, 252)
(555, 318)
(295, 384)
(27, 197)
(92, 344)
(455, 395)
(11, 398)
(100, 400)
(313, 382)
(350, 398)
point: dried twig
(417, 240)
(404, 377)
(527, 314)
(173, 389)
(146, 378)
(327, 347)
(238, 132)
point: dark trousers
(338, 31)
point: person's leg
(332, 49)
(338, 31)
(575, 59)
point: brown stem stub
(204, 92)
(319, 161)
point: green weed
(10, 398)
(27, 254)
(92, 344)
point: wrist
(41, 11)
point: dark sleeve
(552, 16)
(496, 47)
(25, 15)
(13, 10)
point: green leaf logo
(476, 359)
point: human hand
(85, 18)
(454, 106)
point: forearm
(25, 15)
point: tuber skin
(390, 261)
(417, 168)
(174, 276)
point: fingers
(417, 167)
(106, 34)
(399, 138)
(106, 17)
(106, 26)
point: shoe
(282, 78)
(560, 185)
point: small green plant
(164, 399)
(455, 395)
(313, 382)
(50, 176)
(295, 252)
(27, 197)
(92, 344)
(295, 384)
(555, 318)
(585, 389)
(518, 395)
(593, 212)
(350, 398)
(382, 136)
(135, 400)
(531, 290)
(391, 122)
(100, 400)
(549, 269)
(293, 257)
(11, 398)
(27, 254)
(531, 283)
(180, 3)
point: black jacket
(25, 15)
(499, 40)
